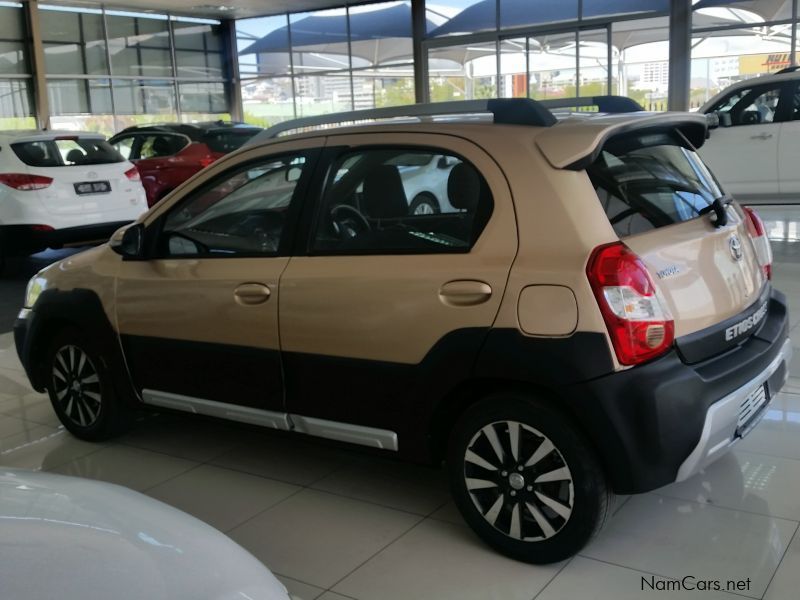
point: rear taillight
(25, 182)
(639, 326)
(133, 174)
(206, 160)
(758, 233)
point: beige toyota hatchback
(585, 312)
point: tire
(81, 389)
(424, 204)
(500, 495)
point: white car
(425, 182)
(63, 188)
(76, 539)
(755, 148)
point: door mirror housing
(443, 163)
(130, 242)
(724, 118)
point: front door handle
(251, 293)
(465, 292)
(761, 136)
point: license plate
(751, 406)
(92, 187)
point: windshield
(651, 181)
(66, 152)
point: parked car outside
(77, 539)
(168, 154)
(61, 188)
(596, 316)
(755, 148)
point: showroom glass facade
(317, 62)
(16, 90)
(110, 69)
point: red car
(168, 154)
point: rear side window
(160, 145)
(66, 152)
(228, 141)
(401, 201)
(651, 181)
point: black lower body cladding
(645, 421)
(23, 240)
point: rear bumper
(663, 421)
(22, 240)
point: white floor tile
(37, 410)
(438, 560)
(299, 590)
(334, 596)
(43, 448)
(13, 426)
(14, 382)
(221, 497)
(131, 467)
(285, 458)
(778, 434)
(412, 488)
(785, 583)
(319, 538)
(758, 483)
(675, 538)
(587, 579)
(448, 513)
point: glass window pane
(263, 46)
(381, 33)
(390, 86)
(73, 42)
(517, 13)
(319, 41)
(15, 100)
(732, 12)
(154, 99)
(512, 69)
(268, 101)
(321, 94)
(241, 214)
(12, 23)
(197, 36)
(139, 46)
(605, 8)
(463, 72)
(199, 64)
(552, 63)
(203, 97)
(79, 96)
(448, 17)
(593, 62)
(643, 68)
(13, 58)
(724, 57)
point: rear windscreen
(646, 182)
(67, 152)
(228, 141)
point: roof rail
(506, 111)
(791, 69)
(604, 104)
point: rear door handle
(761, 136)
(251, 293)
(465, 292)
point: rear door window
(66, 152)
(752, 106)
(228, 140)
(651, 181)
(160, 145)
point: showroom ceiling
(213, 8)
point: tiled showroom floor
(334, 523)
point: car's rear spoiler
(575, 144)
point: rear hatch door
(88, 176)
(658, 196)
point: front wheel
(525, 480)
(81, 391)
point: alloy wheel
(76, 384)
(518, 481)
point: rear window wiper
(720, 208)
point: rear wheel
(525, 480)
(80, 389)
(424, 204)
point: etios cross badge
(736, 247)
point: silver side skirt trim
(333, 430)
(346, 432)
(233, 412)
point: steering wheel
(349, 225)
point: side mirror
(443, 163)
(130, 243)
(293, 173)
